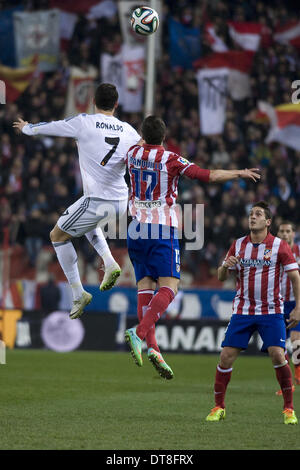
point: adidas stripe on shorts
(88, 212)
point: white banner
(213, 86)
(111, 68)
(38, 33)
(133, 76)
(81, 90)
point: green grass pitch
(101, 400)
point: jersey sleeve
(230, 252)
(69, 127)
(179, 166)
(286, 257)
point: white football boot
(111, 275)
(79, 305)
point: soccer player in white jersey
(154, 252)
(258, 260)
(102, 141)
(286, 231)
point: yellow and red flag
(16, 79)
(284, 123)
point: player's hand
(20, 124)
(294, 318)
(252, 174)
(231, 262)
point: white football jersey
(103, 142)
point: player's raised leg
(67, 257)
(145, 295)
(156, 308)
(112, 269)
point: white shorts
(90, 212)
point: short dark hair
(288, 222)
(153, 130)
(106, 96)
(264, 205)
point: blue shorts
(288, 307)
(271, 329)
(153, 250)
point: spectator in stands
(50, 295)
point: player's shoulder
(296, 249)
(240, 240)
(175, 158)
(133, 147)
(283, 244)
(75, 116)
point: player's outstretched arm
(65, 128)
(19, 124)
(295, 314)
(221, 176)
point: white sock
(98, 241)
(67, 258)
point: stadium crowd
(40, 177)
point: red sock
(284, 377)
(156, 308)
(144, 298)
(222, 379)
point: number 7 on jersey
(114, 142)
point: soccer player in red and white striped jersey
(286, 231)
(153, 244)
(258, 259)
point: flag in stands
(289, 34)
(185, 44)
(93, 9)
(284, 123)
(243, 34)
(219, 75)
(16, 79)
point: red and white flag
(246, 35)
(219, 75)
(284, 123)
(93, 9)
(70, 11)
(288, 34)
(133, 73)
(81, 90)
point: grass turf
(101, 400)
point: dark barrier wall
(195, 336)
(56, 331)
(101, 331)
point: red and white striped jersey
(259, 274)
(286, 285)
(154, 174)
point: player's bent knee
(57, 235)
